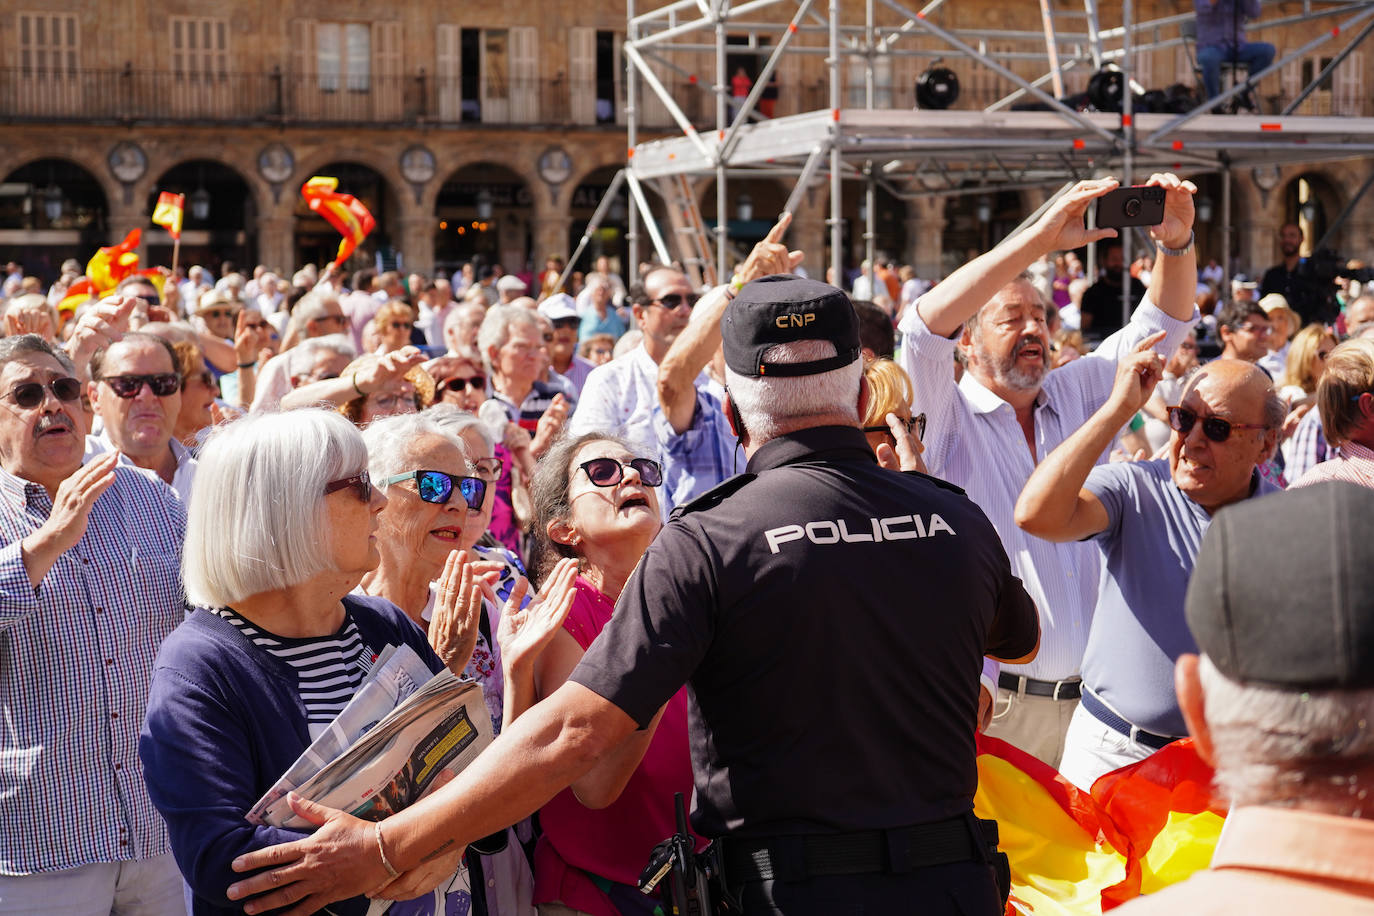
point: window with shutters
(199, 61)
(489, 75)
(343, 56)
(49, 63)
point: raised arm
(955, 299)
(1173, 280)
(1053, 505)
(697, 343)
(341, 390)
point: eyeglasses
(489, 468)
(1254, 329)
(1214, 428)
(402, 325)
(361, 484)
(163, 384)
(673, 300)
(219, 313)
(30, 394)
(457, 384)
(918, 421)
(204, 376)
(437, 487)
(607, 472)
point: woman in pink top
(595, 500)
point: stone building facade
(489, 129)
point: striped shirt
(329, 669)
(973, 440)
(76, 656)
(1353, 464)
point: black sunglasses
(607, 472)
(918, 421)
(127, 386)
(30, 394)
(437, 487)
(1214, 428)
(673, 300)
(361, 484)
(476, 383)
(567, 323)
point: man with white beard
(987, 432)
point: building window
(200, 48)
(47, 44)
(343, 56)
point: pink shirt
(1277, 861)
(613, 842)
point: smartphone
(1140, 205)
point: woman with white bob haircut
(281, 530)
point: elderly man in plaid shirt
(90, 584)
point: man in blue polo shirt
(1148, 518)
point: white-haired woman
(277, 645)
(438, 506)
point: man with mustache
(987, 432)
(90, 584)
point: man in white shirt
(136, 391)
(620, 397)
(987, 432)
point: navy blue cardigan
(224, 722)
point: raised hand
(1062, 226)
(550, 425)
(1137, 374)
(1173, 232)
(907, 455)
(390, 367)
(524, 632)
(771, 256)
(71, 510)
(102, 324)
(454, 626)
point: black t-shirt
(830, 618)
(1102, 301)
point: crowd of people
(791, 549)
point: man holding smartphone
(987, 432)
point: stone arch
(229, 229)
(80, 154)
(63, 211)
(314, 240)
(463, 230)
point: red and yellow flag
(342, 211)
(1075, 853)
(169, 212)
(113, 263)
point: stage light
(937, 88)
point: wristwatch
(1177, 252)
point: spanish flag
(169, 212)
(113, 263)
(342, 211)
(1076, 853)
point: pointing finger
(779, 228)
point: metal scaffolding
(914, 154)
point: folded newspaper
(404, 733)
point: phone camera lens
(1131, 207)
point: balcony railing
(278, 98)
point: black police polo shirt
(830, 618)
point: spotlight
(937, 88)
(1105, 89)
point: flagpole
(176, 251)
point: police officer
(830, 617)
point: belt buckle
(1055, 694)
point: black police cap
(1283, 590)
(781, 309)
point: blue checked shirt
(76, 656)
(703, 456)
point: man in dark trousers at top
(832, 708)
